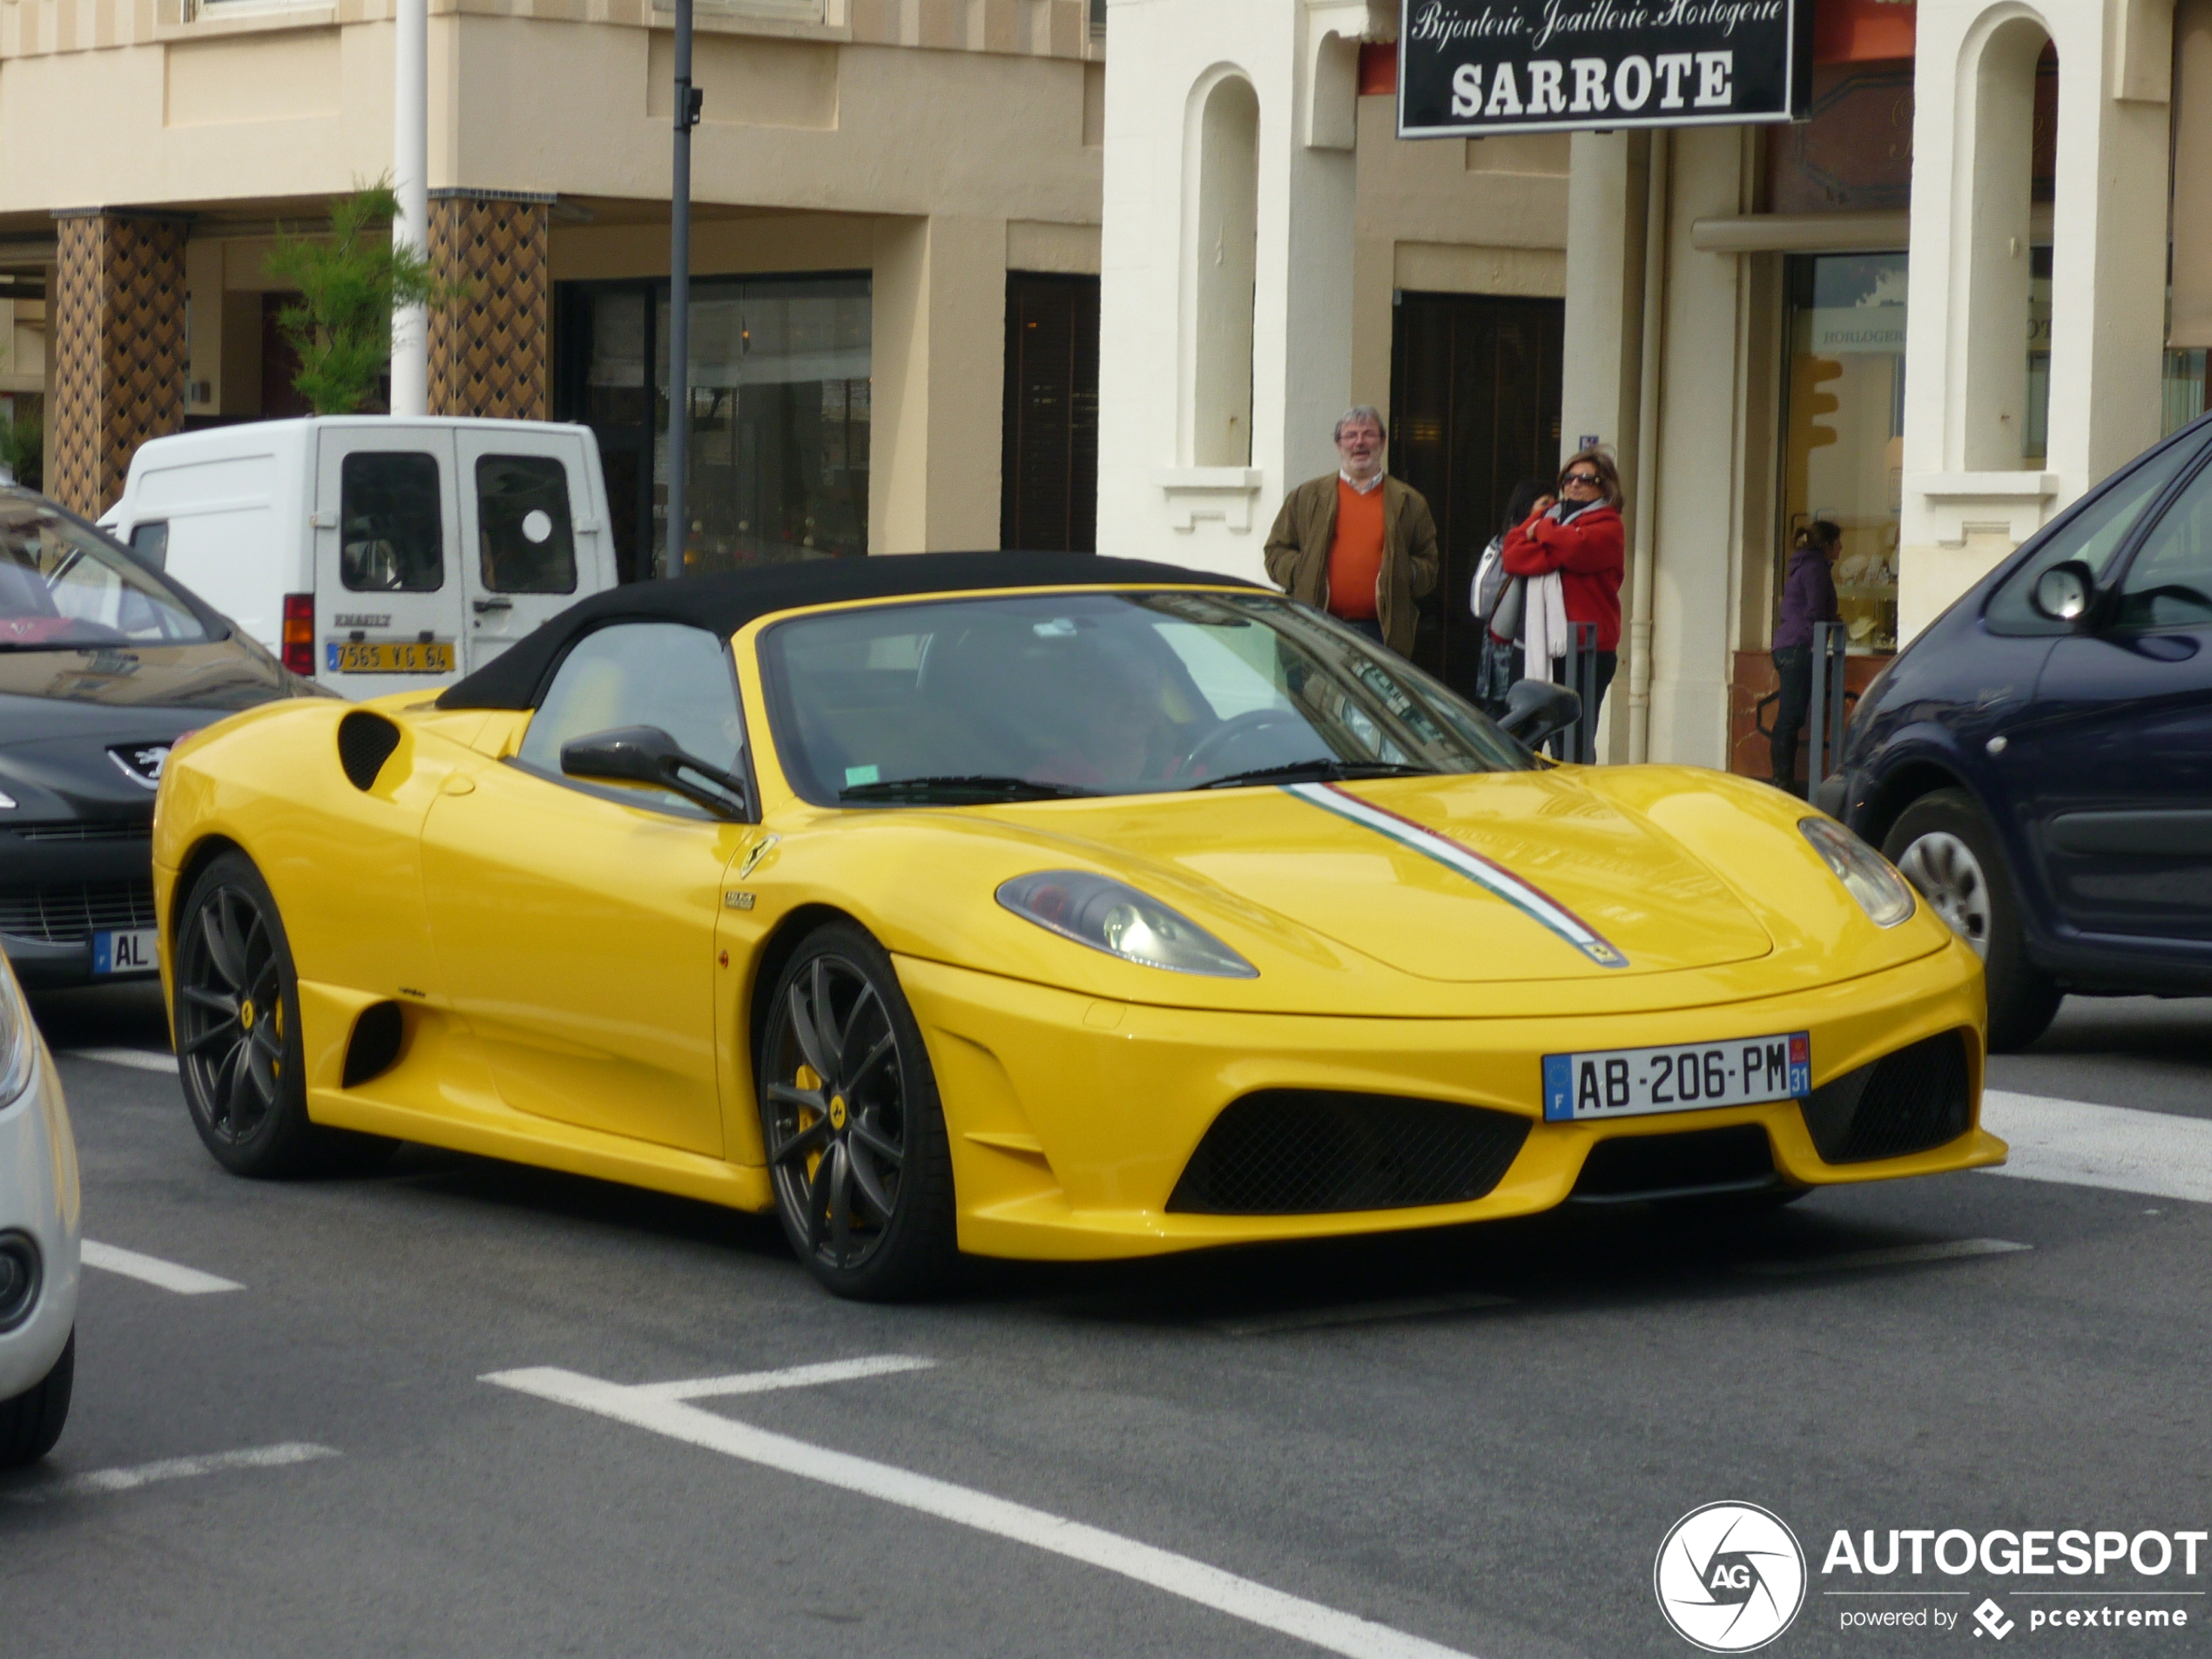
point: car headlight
(1882, 893)
(1116, 918)
(16, 1044)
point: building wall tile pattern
(488, 348)
(119, 351)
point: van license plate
(390, 657)
(1678, 1077)
(125, 951)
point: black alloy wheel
(238, 1051)
(849, 1118)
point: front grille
(1310, 1151)
(68, 912)
(1903, 1102)
(1631, 1167)
(119, 829)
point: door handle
(482, 605)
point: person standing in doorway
(1572, 550)
(1356, 543)
(1494, 601)
(1808, 597)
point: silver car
(38, 1238)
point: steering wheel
(1235, 726)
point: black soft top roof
(726, 602)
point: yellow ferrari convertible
(1048, 908)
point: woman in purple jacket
(1808, 597)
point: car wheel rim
(230, 1013)
(1950, 878)
(835, 1112)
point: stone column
(939, 347)
(119, 346)
(491, 349)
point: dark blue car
(2038, 761)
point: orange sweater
(1356, 555)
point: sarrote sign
(1471, 67)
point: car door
(575, 922)
(2121, 742)
(387, 596)
(529, 528)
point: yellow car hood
(1514, 876)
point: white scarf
(1545, 634)
(1543, 625)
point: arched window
(1999, 119)
(1221, 269)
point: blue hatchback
(2038, 761)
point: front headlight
(1882, 893)
(1116, 918)
(16, 1044)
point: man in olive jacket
(1358, 544)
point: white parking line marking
(101, 1481)
(138, 1059)
(2117, 1148)
(1411, 1307)
(762, 1382)
(185, 1281)
(1240, 1598)
(1896, 1255)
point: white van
(372, 553)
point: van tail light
(299, 633)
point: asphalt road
(1477, 1438)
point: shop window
(780, 417)
(1844, 443)
(1049, 466)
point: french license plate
(389, 656)
(124, 950)
(1678, 1077)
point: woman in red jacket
(1578, 537)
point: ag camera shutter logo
(1730, 1577)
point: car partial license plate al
(389, 656)
(1676, 1077)
(125, 950)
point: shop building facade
(887, 193)
(1935, 312)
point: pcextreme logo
(1730, 1577)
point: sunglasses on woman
(1587, 480)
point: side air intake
(365, 743)
(375, 1048)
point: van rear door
(531, 528)
(388, 591)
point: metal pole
(1817, 727)
(411, 184)
(1839, 663)
(676, 533)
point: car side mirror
(645, 754)
(2064, 591)
(1536, 710)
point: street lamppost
(411, 184)
(688, 98)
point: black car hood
(84, 734)
(50, 693)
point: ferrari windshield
(62, 587)
(1045, 695)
